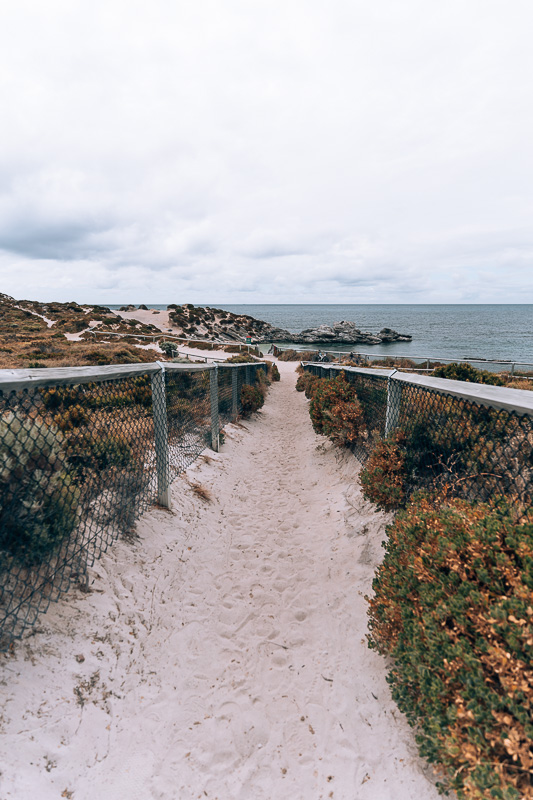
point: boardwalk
(223, 654)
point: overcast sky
(227, 151)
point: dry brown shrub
(200, 491)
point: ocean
(447, 331)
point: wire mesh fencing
(472, 440)
(83, 452)
(189, 417)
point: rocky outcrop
(340, 333)
(219, 325)
(388, 335)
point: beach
(222, 653)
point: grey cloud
(274, 252)
(278, 152)
(61, 243)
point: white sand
(152, 346)
(223, 655)
(49, 322)
(200, 355)
(160, 320)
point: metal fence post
(234, 394)
(394, 398)
(159, 409)
(247, 374)
(215, 423)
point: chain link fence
(83, 452)
(475, 440)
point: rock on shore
(347, 333)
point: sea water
(446, 331)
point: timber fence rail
(473, 439)
(425, 363)
(83, 452)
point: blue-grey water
(449, 331)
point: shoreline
(443, 330)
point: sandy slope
(159, 319)
(223, 654)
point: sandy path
(224, 653)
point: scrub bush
(262, 381)
(72, 417)
(465, 372)
(60, 397)
(384, 476)
(336, 412)
(168, 348)
(307, 382)
(446, 442)
(241, 358)
(519, 383)
(251, 399)
(274, 373)
(95, 452)
(302, 381)
(453, 607)
(38, 503)
(297, 355)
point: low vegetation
(336, 412)
(252, 399)
(466, 372)
(453, 598)
(297, 355)
(307, 382)
(38, 502)
(32, 336)
(453, 608)
(253, 396)
(383, 478)
(242, 358)
(38, 335)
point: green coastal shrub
(302, 381)
(445, 442)
(252, 399)
(240, 358)
(453, 607)
(72, 417)
(262, 381)
(466, 372)
(38, 503)
(134, 391)
(60, 397)
(307, 382)
(297, 355)
(453, 442)
(274, 373)
(99, 451)
(336, 412)
(384, 476)
(168, 348)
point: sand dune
(222, 655)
